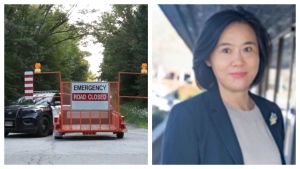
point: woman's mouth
(238, 74)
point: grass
(135, 115)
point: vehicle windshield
(40, 98)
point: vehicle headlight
(38, 110)
(45, 108)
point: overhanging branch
(62, 31)
(80, 36)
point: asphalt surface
(103, 148)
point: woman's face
(235, 59)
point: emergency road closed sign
(90, 95)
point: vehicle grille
(23, 113)
(10, 113)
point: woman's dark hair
(209, 38)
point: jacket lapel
(223, 124)
(266, 113)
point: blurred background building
(175, 29)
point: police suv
(33, 116)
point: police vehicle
(33, 116)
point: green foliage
(41, 33)
(135, 115)
(123, 33)
(91, 77)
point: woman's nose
(237, 59)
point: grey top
(256, 141)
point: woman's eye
(226, 50)
(248, 49)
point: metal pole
(119, 80)
(278, 68)
(291, 72)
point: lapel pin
(273, 118)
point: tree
(124, 35)
(41, 33)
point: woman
(227, 124)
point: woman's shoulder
(195, 99)
(192, 104)
(264, 101)
(188, 112)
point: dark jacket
(199, 131)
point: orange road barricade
(88, 108)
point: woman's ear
(208, 63)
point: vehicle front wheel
(120, 135)
(50, 132)
(58, 135)
(43, 127)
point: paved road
(104, 148)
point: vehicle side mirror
(57, 103)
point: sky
(95, 49)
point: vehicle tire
(58, 137)
(120, 135)
(43, 127)
(50, 132)
(6, 134)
